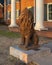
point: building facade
(41, 9)
(1, 11)
(19, 6)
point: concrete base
(40, 29)
(13, 25)
(14, 29)
(29, 55)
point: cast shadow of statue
(29, 37)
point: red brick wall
(24, 4)
(27, 3)
(47, 1)
(1, 13)
(9, 7)
(17, 5)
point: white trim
(48, 12)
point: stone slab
(26, 56)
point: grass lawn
(9, 34)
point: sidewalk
(3, 27)
(5, 44)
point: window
(8, 15)
(45, 12)
(49, 12)
(17, 13)
(17, 0)
(8, 2)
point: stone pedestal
(29, 55)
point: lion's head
(25, 21)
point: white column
(39, 15)
(13, 14)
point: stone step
(14, 29)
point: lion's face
(25, 14)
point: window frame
(8, 2)
(48, 12)
(8, 15)
(17, 13)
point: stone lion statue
(29, 36)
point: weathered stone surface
(30, 55)
(21, 54)
(48, 45)
(46, 60)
